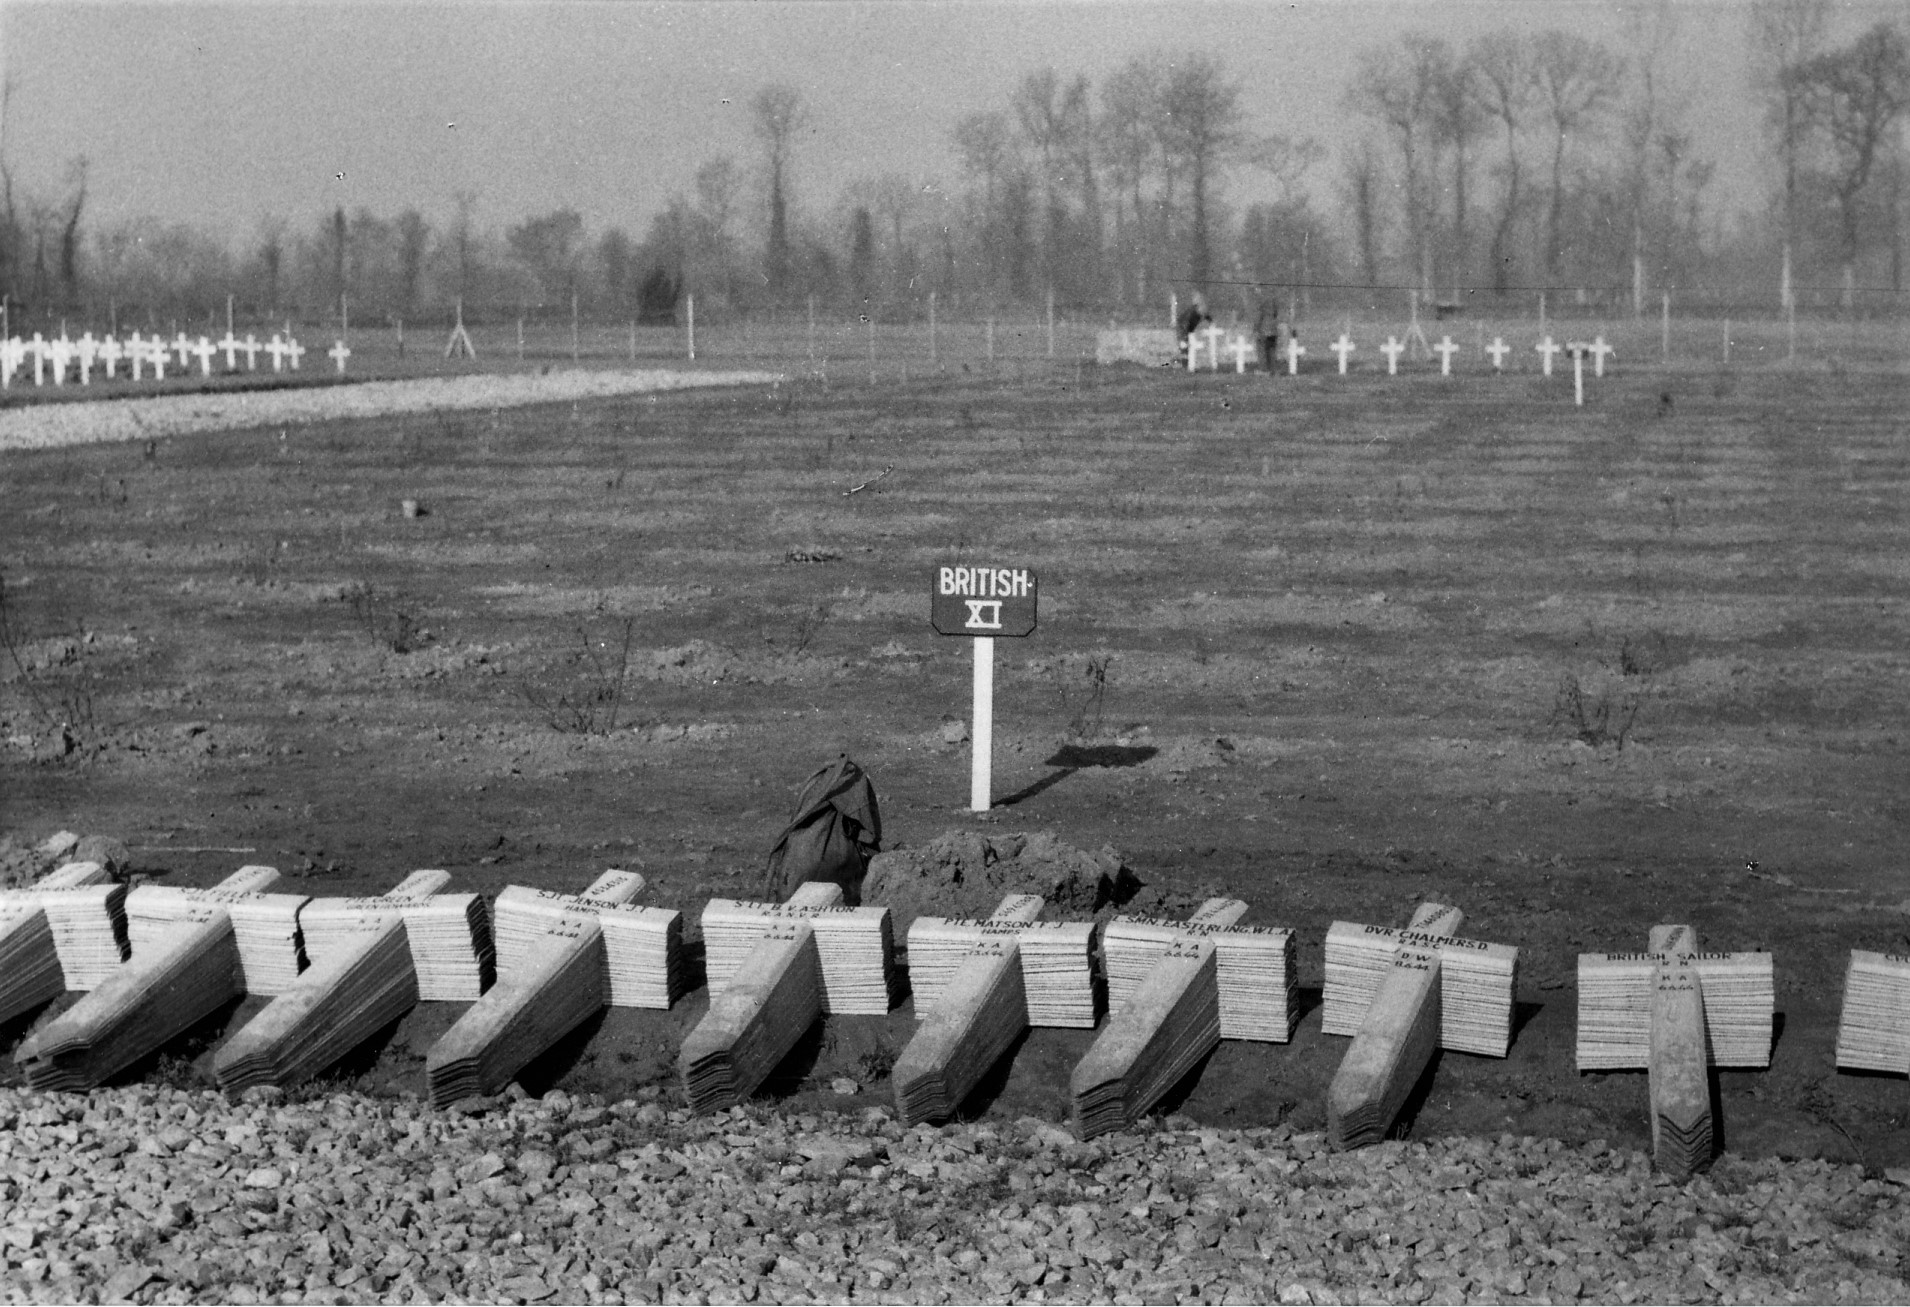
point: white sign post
(982, 603)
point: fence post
(1727, 340)
(573, 328)
(633, 340)
(520, 338)
(871, 318)
(932, 360)
(812, 328)
(1664, 331)
(690, 322)
(1051, 322)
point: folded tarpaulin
(835, 831)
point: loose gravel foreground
(46, 426)
(152, 1194)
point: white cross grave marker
(1498, 349)
(1175, 990)
(61, 353)
(87, 350)
(38, 348)
(1214, 335)
(1240, 347)
(1445, 349)
(1295, 352)
(339, 352)
(773, 970)
(110, 353)
(251, 347)
(555, 964)
(978, 985)
(371, 960)
(1546, 349)
(1343, 346)
(1599, 349)
(277, 350)
(1672, 1010)
(1401, 995)
(182, 346)
(156, 355)
(31, 969)
(193, 952)
(1577, 350)
(11, 352)
(1392, 349)
(294, 352)
(136, 355)
(204, 351)
(230, 344)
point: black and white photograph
(954, 651)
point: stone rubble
(160, 1195)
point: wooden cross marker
(230, 344)
(1873, 1033)
(294, 352)
(1240, 347)
(193, 952)
(203, 351)
(1175, 990)
(1392, 349)
(156, 355)
(1214, 335)
(277, 350)
(1401, 995)
(1295, 352)
(364, 975)
(86, 350)
(251, 347)
(1546, 349)
(1445, 349)
(1577, 350)
(1343, 347)
(110, 353)
(1599, 349)
(1498, 349)
(773, 969)
(339, 352)
(978, 985)
(554, 973)
(1673, 1010)
(37, 347)
(31, 970)
(182, 346)
(11, 352)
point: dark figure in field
(1192, 321)
(1266, 332)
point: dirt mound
(965, 873)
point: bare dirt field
(1331, 645)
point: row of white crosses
(53, 360)
(153, 962)
(1241, 348)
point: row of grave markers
(153, 962)
(1242, 349)
(53, 360)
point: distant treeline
(1515, 162)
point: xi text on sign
(982, 600)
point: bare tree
(985, 144)
(1395, 86)
(1205, 130)
(1361, 182)
(1578, 83)
(414, 238)
(1857, 95)
(70, 234)
(1129, 152)
(1505, 85)
(779, 115)
(1457, 122)
(1786, 35)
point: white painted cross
(1295, 352)
(1599, 349)
(182, 346)
(1175, 990)
(193, 951)
(11, 352)
(1343, 346)
(1240, 347)
(774, 969)
(1392, 349)
(230, 344)
(1401, 995)
(339, 352)
(59, 353)
(136, 355)
(1445, 349)
(277, 350)
(1672, 1010)
(156, 355)
(1546, 349)
(204, 351)
(251, 347)
(553, 975)
(1214, 334)
(363, 976)
(1498, 349)
(87, 351)
(31, 968)
(294, 352)
(37, 346)
(979, 984)
(110, 353)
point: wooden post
(520, 338)
(689, 315)
(1051, 322)
(401, 337)
(991, 342)
(1727, 340)
(344, 316)
(1664, 330)
(633, 340)
(871, 319)
(932, 360)
(573, 329)
(228, 315)
(812, 328)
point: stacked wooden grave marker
(1402, 994)
(773, 969)
(1874, 1031)
(31, 972)
(554, 972)
(978, 985)
(193, 951)
(366, 971)
(1175, 990)
(1675, 1011)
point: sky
(219, 115)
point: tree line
(1509, 163)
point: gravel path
(153, 1194)
(44, 426)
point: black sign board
(982, 601)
